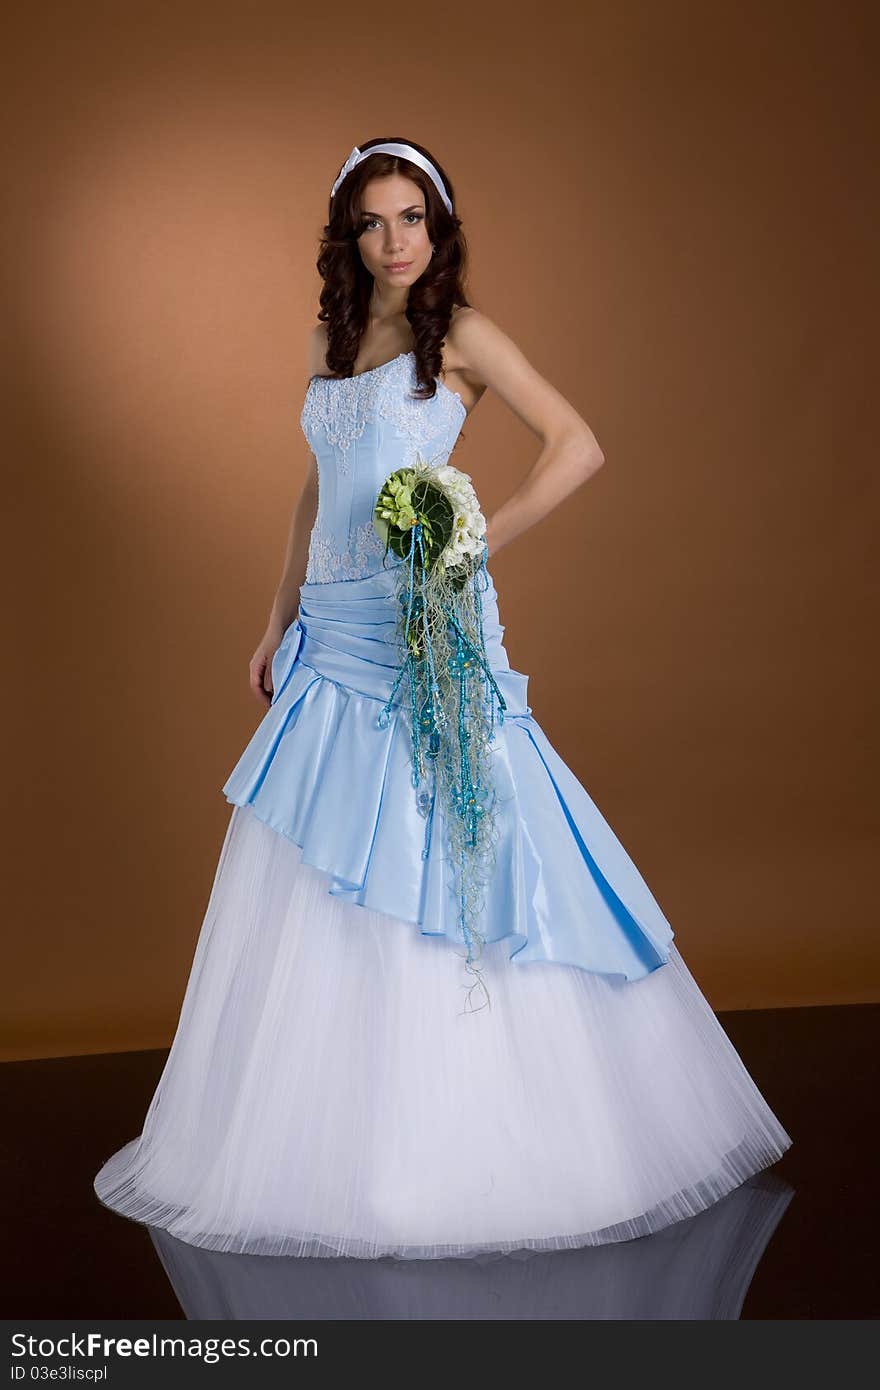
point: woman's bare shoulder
(316, 351)
(470, 336)
(469, 340)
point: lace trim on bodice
(364, 555)
(342, 407)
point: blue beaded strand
(471, 802)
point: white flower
(468, 522)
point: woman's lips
(399, 265)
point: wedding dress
(326, 1093)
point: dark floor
(799, 1243)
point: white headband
(407, 151)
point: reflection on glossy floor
(700, 1268)
(798, 1241)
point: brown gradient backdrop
(669, 210)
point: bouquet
(431, 520)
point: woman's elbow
(592, 456)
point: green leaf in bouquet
(405, 499)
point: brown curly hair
(347, 287)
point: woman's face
(394, 242)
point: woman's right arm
(286, 601)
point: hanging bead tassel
(450, 686)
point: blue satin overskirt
(320, 770)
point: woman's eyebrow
(413, 207)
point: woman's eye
(374, 221)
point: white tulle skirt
(325, 1093)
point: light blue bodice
(361, 429)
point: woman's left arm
(570, 453)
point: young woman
(349, 1075)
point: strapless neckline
(371, 371)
